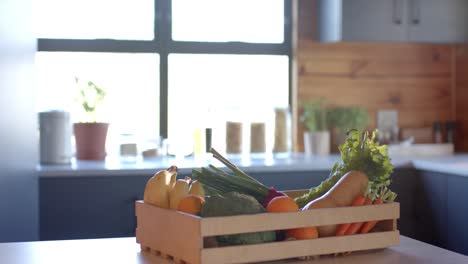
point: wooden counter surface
(127, 251)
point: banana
(173, 180)
(158, 187)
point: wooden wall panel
(415, 79)
(461, 99)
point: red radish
(272, 193)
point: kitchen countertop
(127, 251)
(453, 164)
(116, 166)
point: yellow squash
(196, 188)
(180, 190)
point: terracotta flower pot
(90, 140)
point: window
(169, 67)
(91, 19)
(259, 21)
(131, 82)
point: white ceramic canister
(55, 131)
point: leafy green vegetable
(359, 152)
(234, 203)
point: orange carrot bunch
(382, 195)
(385, 196)
(351, 228)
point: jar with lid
(128, 147)
(234, 132)
(283, 135)
(55, 133)
(258, 136)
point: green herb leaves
(364, 153)
(359, 152)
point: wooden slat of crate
(170, 232)
(292, 249)
(212, 226)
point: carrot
(386, 196)
(342, 228)
(367, 226)
(354, 227)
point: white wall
(18, 124)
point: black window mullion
(163, 36)
(227, 48)
(288, 43)
(97, 45)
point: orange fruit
(281, 204)
(302, 233)
(191, 204)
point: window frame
(163, 44)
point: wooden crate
(181, 236)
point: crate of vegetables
(221, 217)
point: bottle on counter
(450, 127)
(437, 134)
(208, 138)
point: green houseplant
(314, 116)
(90, 135)
(343, 119)
(316, 134)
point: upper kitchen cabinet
(373, 20)
(432, 21)
(437, 21)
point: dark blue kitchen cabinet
(103, 206)
(287, 180)
(431, 208)
(404, 184)
(441, 210)
(431, 204)
(457, 214)
(89, 207)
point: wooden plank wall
(415, 79)
(461, 90)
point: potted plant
(90, 135)
(316, 134)
(343, 119)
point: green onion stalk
(217, 181)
